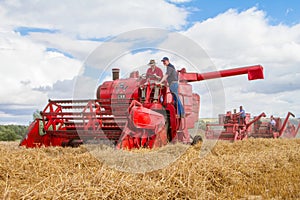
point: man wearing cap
(154, 73)
(272, 124)
(172, 77)
(242, 115)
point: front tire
(197, 139)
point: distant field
(251, 169)
(209, 120)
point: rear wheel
(197, 139)
(75, 143)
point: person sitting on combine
(172, 78)
(290, 129)
(154, 73)
(242, 116)
(272, 123)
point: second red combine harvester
(284, 129)
(128, 113)
(231, 127)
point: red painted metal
(263, 129)
(254, 72)
(129, 113)
(285, 123)
(33, 137)
(231, 127)
(145, 128)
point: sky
(46, 45)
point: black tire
(197, 139)
(74, 143)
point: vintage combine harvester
(232, 127)
(285, 129)
(128, 113)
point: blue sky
(43, 47)
(286, 12)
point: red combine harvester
(231, 127)
(128, 113)
(263, 129)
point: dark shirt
(172, 73)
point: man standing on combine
(172, 77)
(272, 124)
(242, 115)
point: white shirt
(273, 122)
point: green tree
(7, 134)
(12, 132)
(202, 125)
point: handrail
(285, 122)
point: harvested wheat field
(251, 169)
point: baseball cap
(165, 58)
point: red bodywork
(231, 128)
(129, 113)
(285, 129)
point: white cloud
(246, 35)
(26, 65)
(24, 60)
(234, 39)
(77, 48)
(89, 19)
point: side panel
(33, 137)
(186, 97)
(193, 117)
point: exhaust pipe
(115, 73)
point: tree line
(12, 132)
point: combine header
(128, 113)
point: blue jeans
(174, 90)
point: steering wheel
(143, 76)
